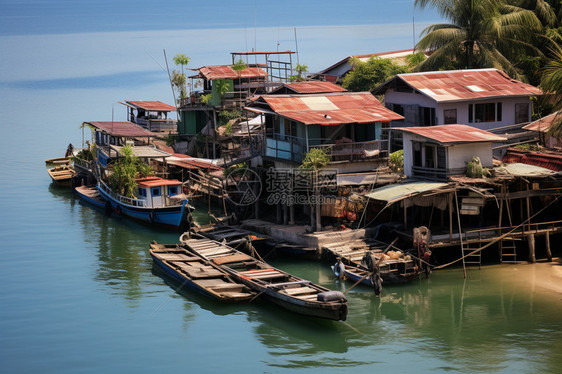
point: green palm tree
(551, 84)
(482, 33)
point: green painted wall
(192, 122)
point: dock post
(531, 241)
(548, 251)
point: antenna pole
(297, 46)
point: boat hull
(173, 217)
(240, 295)
(91, 196)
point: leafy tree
(365, 76)
(396, 161)
(125, 172)
(182, 60)
(482, 33)
(315, 159)
(239, 66)
(179, 80)
(551, 84)
(300, 70)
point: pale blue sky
(71, 16)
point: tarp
(396, 192)
(523, 170)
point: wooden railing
(356, 151)
(429, 173)
(122, 199)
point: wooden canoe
(284, 289)
(58, 161)
(196, 273)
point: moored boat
(91, 196)
(286, 290)
(159, 202)
(198, 274)
(62, 175)
(373, 263)
(58, 161)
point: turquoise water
(77, 290)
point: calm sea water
(77, 290)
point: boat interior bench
(263, 274)
(239, 257)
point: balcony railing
(292, 148)
(156, 124)
(356, 151)
(430, 173)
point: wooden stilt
(548, 251)
(531, 241)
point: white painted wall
(508, 107)
(460, 154)
(457, 155)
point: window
(488, 112)
(430, 156)
(155, 191)
(417, 153)
(397, 108)
(142, 192)
(173, 190)
(521, 113)
(450, 116)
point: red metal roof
(450, 134)
(124, 129)
(331, 109)
(462, 85)
(550, 161)
(156, 181)
(226, 72)
(152, 106)
(315, 87)
(543, 124)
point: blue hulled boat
(159, 202)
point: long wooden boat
(58, 161)
(90, 195)
(160, 202)
(288, 291)
(237, 237)
(198, 274)
(62, 175)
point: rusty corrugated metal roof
(331, 109)
(124, 129)
(315, 87)
(462, 85)
(152, 105)
(226, 72)
(450, 134)
(543, 124)
(157, 181)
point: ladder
(508, 250)
(471, 259)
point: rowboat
(90, 195)
(58, 161)
(159, 202)
(198, 274)
(62, 175)
(288, 291)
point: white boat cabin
(157, 192)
